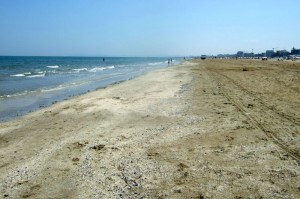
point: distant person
(103, 59)
(168, 61)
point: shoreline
(199, 129)
(39, 99)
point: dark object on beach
(280, 59)
(103, 59)
(203, 57)
(245, 69)
(98, 147)
(264, 58)
(75, 159)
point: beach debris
(182, 166)
(75, 159)
(98, 147)
(151, 154)
(177, 191)
(143, 117)
(31, 192)
(115, 148)
(80, 144)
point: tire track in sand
(280, 129)
(281, 114)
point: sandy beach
(202, 129)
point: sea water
(29, 83)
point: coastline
(31, 83)
(181, 131)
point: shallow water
(28, 83)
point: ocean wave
(5, 96)
(79, 69)
(18, 75)
(155, 63)
(96, 69)
(59, 87)
(52, 66)
(122, 65)
(50, 72)
(16, 94)
(34, 76)
(31, 74)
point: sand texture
(204, 129)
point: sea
(30, 83)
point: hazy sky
(147, 27)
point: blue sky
(146, 27)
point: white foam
(52, 66)
(60, 87)
(18, 75)
(34, 76)
(80, 69)
(111, 67)
(15, 94)
(96, 69)
(122, 65)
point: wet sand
(203, 129)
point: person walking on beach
(103, 59)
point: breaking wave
(52, 66)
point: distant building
(259, 55)
(282, 53)
(270, 53)
(240, 54)
(248, 55)
(295, 51)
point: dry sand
(204, 129)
